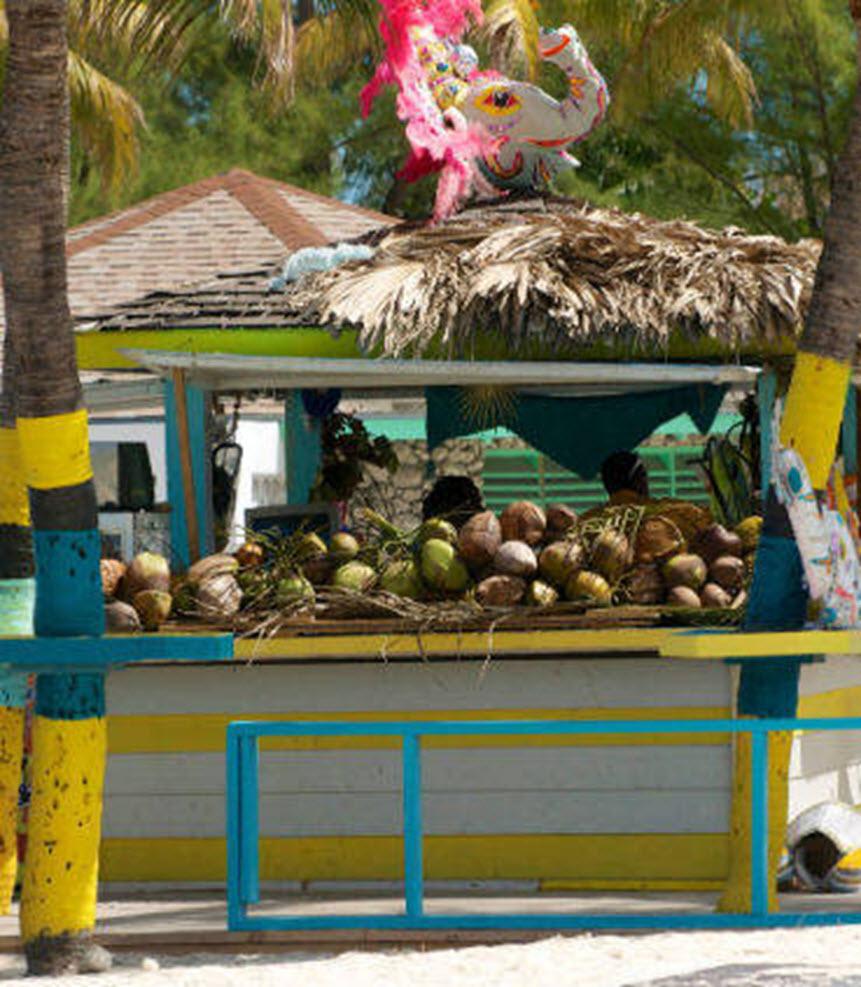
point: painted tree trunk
(811, 424)
(16, 572)
(59, 893)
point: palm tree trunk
(59, 895)
(16, 571)
(811, 425)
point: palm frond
(329, 46)
(106, 119)
(510, 30)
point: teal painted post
(197, 402)
(849, 433)
(302, 449)
(767, 395)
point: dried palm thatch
(557, 276)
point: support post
(189, 480)
(412, 796)
(302, 449)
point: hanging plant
(347, 449)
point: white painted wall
(149, 430)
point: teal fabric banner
(577, 433)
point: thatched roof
(529, 277)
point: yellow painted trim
(814, 412)
(836, 702)
(200, 733)
(11, 752)
(473, 643)
(103, 350)
(56, 450)
(623, 884)
(63, 828)
(737, 645)
(736, 897)
(590, 861)
(14, 500)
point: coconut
(479, 540)
(219, 596)
(645, 585)
(438, 529)
(121, 618)
(740, 600)
(541, 594)
(716, 541)
(310, 545)
(591, 586)
(560, 560)
(318, 571)
(211, 566)
(146, 571)
(515, 558)
(657, 538)
(749, 530)
(685, 570)
(249, 555)
(560, 520)
(294, 588)
(436, 559)
(523, 521)
(715, 596)
(683, 596)
(500, 591)
(457, 576)
(728, 572)
(343, 547)
(354, 576)
(153, 608)
(402, 578)
(112, 572)
(611, 555)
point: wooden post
(189, 499)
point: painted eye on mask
(498, 100)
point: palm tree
(811, 424)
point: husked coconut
(121, 618)
(716, 541)
(515, 558)
(523, 521)
(211, 566)
(479, 540)
(560, 520)
(716, 596)
(657, 538)
(500, 591)
(645, 585)
(219, 596)
(560, 560)
(112, 572)
(728, 572)
(685, 570)
(683, 596)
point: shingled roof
(221, 224)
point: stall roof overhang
(229, 372)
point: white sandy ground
(808, 957)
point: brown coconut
(685, 570)
(645, 585)
(560, 520)
(121, 618)
(683, 596)
(479, 540)
(716, 541)
(219, 596)
(500, 591)
(211, 566)
(715, 596)
(728, 572)
(515, 558)
(112, 572)
(523, 521)
(153, 608)
(249, 555)
(147, 570)
(560, 560)
(657, 539)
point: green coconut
(439, 529)
(457, 576)
(310, 546)
(153, 608)
(560, 560)
(437, 561)
(541, 594)
(402, 578)
(343, 547)
(294, 588)
(354, 576)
